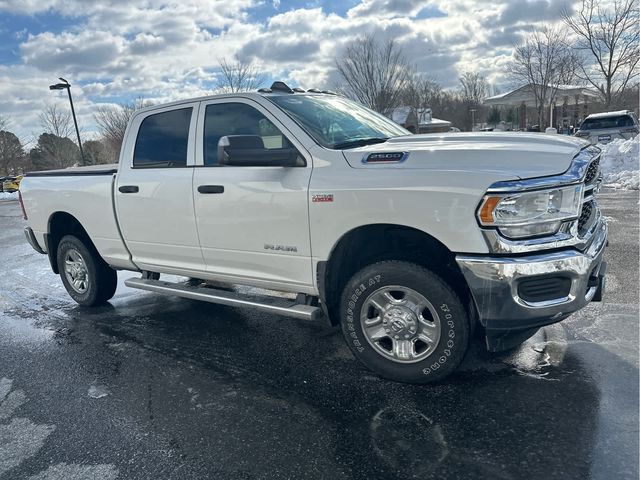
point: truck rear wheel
(404, 322)
(85, 275)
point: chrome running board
(280, 306)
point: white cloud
(164, 50)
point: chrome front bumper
(494, 281)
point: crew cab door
(153, 194)
(253, 221)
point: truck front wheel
(404, 322)
(85, 275)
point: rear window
(617, 121)
(163, 139)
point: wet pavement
(158, 387)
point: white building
(566, 106)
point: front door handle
(129, 189)
(211, 189)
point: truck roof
(277, 89)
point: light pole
(62, 86)
(473, 117)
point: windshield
(335, 122)
(607, 122)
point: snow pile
(8, 196)
(619, 163)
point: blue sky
(118, 50)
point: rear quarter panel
(88, 198)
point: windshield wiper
(359, 142)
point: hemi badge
(386, 157)
(324, 197)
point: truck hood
(515, 155)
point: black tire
(442, 356)
(101, 280)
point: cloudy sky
(116, 50)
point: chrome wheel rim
(400, 324)
(75, 269)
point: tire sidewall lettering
(450, 334)
(353, 299)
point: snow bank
(8, 196)
(620, 163)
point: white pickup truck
(408, 242)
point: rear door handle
(129, 189)
(211, 189)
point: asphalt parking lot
(158, 387)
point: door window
(163, 139)
(223, 119)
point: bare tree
(239, 76)
(611, 36)
(543, 62)
(473, 87)
(418, 91)
(112, 122)
(375, 74)
(56, 121)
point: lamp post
(473, 117)
(67, 86)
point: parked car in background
(607, 126)
(11, 184)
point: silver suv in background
(607, 126)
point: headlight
(528, 214)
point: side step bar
(281, 306)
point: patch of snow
(8, 196)
(620, 163)
(98, 391)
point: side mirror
(249, 151)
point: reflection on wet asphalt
(159, 387)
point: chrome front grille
(589, 211)
(592, 171)
(585, 217)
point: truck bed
(86, 195)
